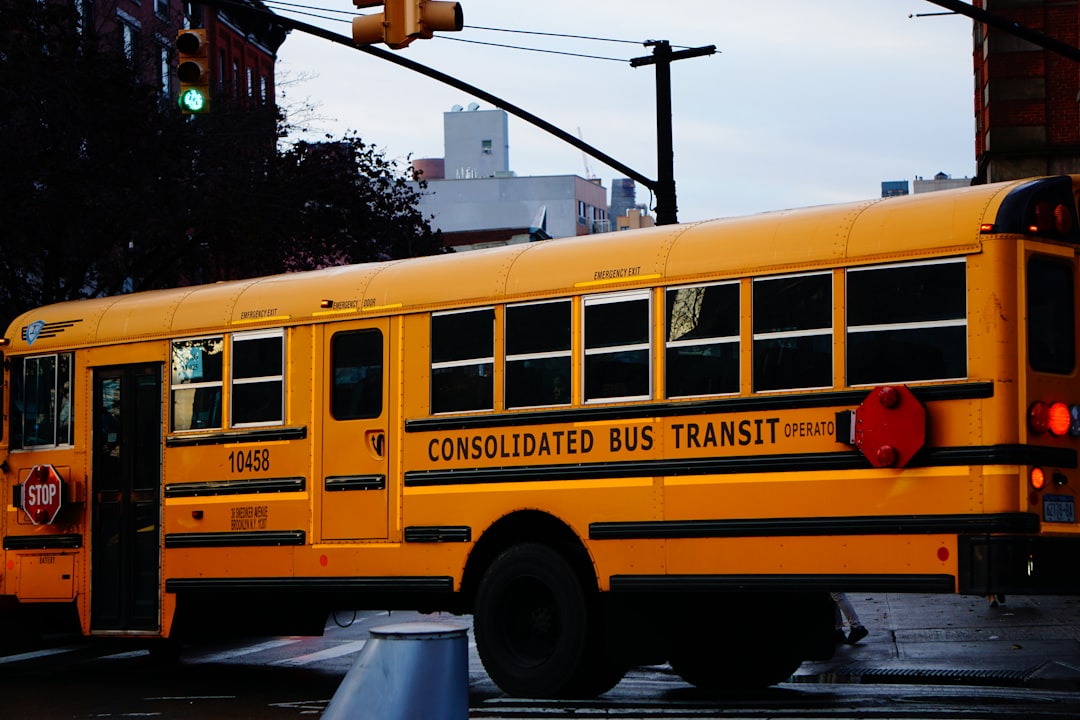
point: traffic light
(193, 70)
(403, 21)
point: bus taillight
(1057, 418)
(1037, 478)
(1051, 218)
(1039, 417)
(1044, 207)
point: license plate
(1059, 508)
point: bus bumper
(1019, 565)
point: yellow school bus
(662, 445)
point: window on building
(161, 8)
(356, 372)
(129, 36)
(264, 89)
(538, 354)
(617, 330)
(41, 396)
(250, 83)
(166, 71)
(485, 147)
(196, 383)
(702, 353)
(793, 337)
(258, 378)
(84, 11)
(462, 360)
(907, 322)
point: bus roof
(931, 224)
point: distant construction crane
(585, 158)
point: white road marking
(328, 654)
(37, 654)
(240, 652)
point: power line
(316, 12)
(530, 49)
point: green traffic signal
(193, 100)
(193, 71)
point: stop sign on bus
(42, 494)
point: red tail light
(1037, 478)
(1039, 417)
(1059, 418)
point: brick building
(1027, 99)
(243, 46)
(243, 49)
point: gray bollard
(409, 671)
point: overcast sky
(804, 103)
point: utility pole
(667, 207)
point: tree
(106, 188)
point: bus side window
(618, 336)
(907, 322)
(357, 375)
(702, 355)
(538, 354)
(196, 378)
(258, 378)
(793, 332)
(462, 360)
(41, 401)
(16, 399)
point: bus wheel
(720, 668)
(535, 626)
(719, 655)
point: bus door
(354, 438)
(125, 583)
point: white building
(477, 201)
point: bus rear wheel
(537, 628)
(716, 645)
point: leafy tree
(105, 188)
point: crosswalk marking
(327, 654)
(37, 654)
(248, 650)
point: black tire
(724, 669)
(537, 628)
(715, 647)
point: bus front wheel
(536, 626)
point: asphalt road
(925, 656)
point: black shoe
(840, 637)
(857, 633)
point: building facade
(243, 45)
(1027, 116)
(475, 199)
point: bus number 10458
(257, 460)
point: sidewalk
(1029, 641)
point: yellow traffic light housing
(403, 21)
(193, 71)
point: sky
(804, 103)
